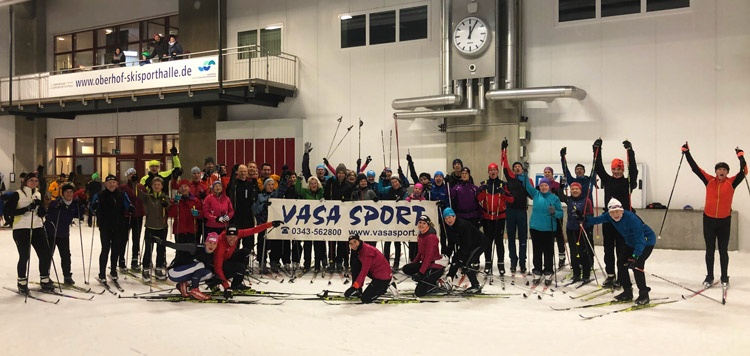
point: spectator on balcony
(118, 57)
(160, 49)
(175, 49)
(144, 59)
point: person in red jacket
(492, 197)
(229, 262)
(370, 262)
(186, 210)
(717, 216)
(423, 268)
(135, 222)
(217, 209)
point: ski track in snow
(108, 325)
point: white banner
(202, 70)
(335, 221)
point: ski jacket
(365, 194)
(388, 193)
(411, 197)
(465, 242)
(17, 207)
(110, 209)
(165, 175)
(157, 205)
(132, 193)
(306, 193)
(581, 204)
(719, 194)
(440, 193)
(224, 251)
(516, 187)
(335, 190)
(465, 204)
(243, 194)
(618, 188)
(184, 222)
(541, 220)
(214, 207)
(199, 188)
(189, 253)
(584, 181)
(60, 215)
(636, 233)
(427, 251)
(493, 196)
(374, 265)
(260, 208)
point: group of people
(216, 216)
(162, 50)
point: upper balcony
(240, 75)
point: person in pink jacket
(369, 262)
(217, 209)
(423, 268)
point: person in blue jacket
(60, 215)
(639, 239)
(545, 212)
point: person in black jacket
(160, 50)
(243, 192)
(92, 187)
(111, 206)
(338, 189)
(60, 215)
(465, 243)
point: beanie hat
(395, 177)
(212, 237)
(95, 176)
(618, 163)
(517, 163)
(549, 169)
(354, 237)
(425, 218)
(215, 183)
(371, 173)
(545, 181)
(208, 160)
(67, 186)
(361, 177)
(232, 230)
(424, 175)
(184, 182)
(466, 169)
(110, 177)
(580, 165)
(576, 184)
(459, 161)
(492, 165)
(721, 165)
(419, 185)
(614, 204)
(387, 169)
(195, 170)
(448, 212)
(341, 168)
(130, 171)
(154, 162)
(320, 166)
(268, 180)
(439, 173)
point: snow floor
(513, 326)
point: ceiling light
(108, 31)
(61, 38)
(273, 27)
(345, 17)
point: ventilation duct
(547, 94)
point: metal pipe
(425, 102)
(469, 93)
(537, 94)
(436, 113)
(480, 94)
(458, 88)
(512, 49)
(221, 50)
(445, 20)
(10, 61)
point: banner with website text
(202, 70)
(335, 221)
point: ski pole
(398, 151)
(28, 257)
(340, 141)
(588, 241)
(382, 142)
(52, 250)
(80, 234)
(677, 284)
(91, 248)
(359, 142)
(390, 152)
(664, 219)
(334, 135)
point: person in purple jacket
(464, 197)
(369, 263)
(60, 215)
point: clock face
(470, 35)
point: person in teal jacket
(545, 212)
(640, 240)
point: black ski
(31, 296)
(603, 304)
(60, 294)
(105, 285)
(76, 288)
(628, 309)
(181, 299)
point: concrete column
(200, 27)
(30, 56)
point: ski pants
(581, 255)
(613, 243)
(544, 251)
(63, 246)
(376, 288)
(429, 282)
(195, 272)
(516, 221)
(161, 250)
(235, 267)
(112, 245)
(27, 238)
(135, 226)
(713, 230)
(387, 252)
(494, 230)
(640, 277)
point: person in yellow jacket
(153, 171)
(56, 185)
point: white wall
(7, 123)
(4, 42)
(353, 83)
(657, 80)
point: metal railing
(241, 64)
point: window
(64, 147)
(84, 146)
(127, 145)
(267, 42)
(107, 145)
(353, 31)
(270, 41)
(383, 27)
(153, 144)
(574, 10)
(249, 39)
(413, 23)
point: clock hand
(471, 29)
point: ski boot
(47, 285)
(725, 282)
(396, 266)
(488, 267)
(501, 269)
(609, 282)
(339, 268)
(548, 280)
(161, 273)
(275, 267)
(241, 287)
(626, 295)
(183, 288)
(474, 289)
(197, 294)
(561, 260)
(576, 278)
(331, 267)
(69, 280)
(537, 278)
(23, 286)
(113, 276)
(146, 274)
(134, 266)
(708, 282)
(522, 269)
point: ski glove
(227, 293)
(408, 158)
(325, 161)
(563, 151)
(349, 292)
(551, 210)
(631, 262)
(131, 209)
(308, 147)
(375, 199)
(685, 148)
(627, 145)
(165, 203)
(579, 216)
(504, 145)
(173, 151)
(368, 160)
(359, 162)
(417, 277)
(739, 152)
(276, 223)
(194, 212)
(177, 197)
(597, 144)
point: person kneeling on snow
(468, 243)
(192, 265)
(423, 268)
(640, 240)
(369, 263)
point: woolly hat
(110, 177)
(545, 181)
(212, 237)
(28, 176)
(459, 161)
(466, 169)
(439, 173)
(268, 180)
(549, 169)
(387, 169)
(320, 166)
(517, 163)
(154, 162)
(354, 237)
(580, 165)
(215, 183)
(448, 212)
(208, 160)
(184, 182)
(424, 175)
(576, 184)
(361, 177)
(341, 168)
(95, 176)
(371, 173)
(618, 163)
(492, 165)
(425, 218)
(67, 186)
(721, 165)
(130, 171)
(232, 230)
(195, 170)
(614, 204)
(419, 185)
